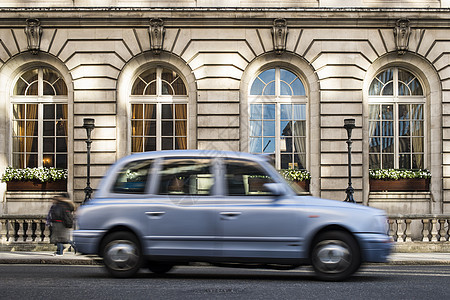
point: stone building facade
(207, 75)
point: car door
(181, 220)
(255, 223)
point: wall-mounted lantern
(33, 32)
(402, 32)
(157, 33)
(279, 35)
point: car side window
(186, 176)
(246, 178)
(132, 178)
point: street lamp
(89, 125)
(349, 124)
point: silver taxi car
(162, 209)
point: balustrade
(24, 229)
(433, 228)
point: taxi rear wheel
(122, 254)
(335, 256)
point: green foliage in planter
(295, 174)
(42, 174)
(395, 174)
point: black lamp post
(89, 125)
(349, 124)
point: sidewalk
(69, 258)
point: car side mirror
(276, 189)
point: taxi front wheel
(122, 254)
(335, 256)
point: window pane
(374, 128)
(256, 145)
(137, 111)
(32, 111)
(49, 144)
(180, 143)
(167, 111)
(49, 111)
(267, 76)
(180, 111)
(256, 111)
(298, 88)
(417, 111)
(61, 111)
(257, 87)
(255, 128)
(61, 161)
(185, 176)
(25, 81)
(388, 89)
(300, 144)
(269, 90)
(167, 143)
(285, 89)
(137, 128)
(286, 128)
(166, 89)
(48, 160)
(374, 161)
(48, 89)
(286, 161)
(269, 128)
(18, 160)
(387, 112)
(388, 128)
(299, 111)
(268, 145)
(404, 145)
(18, 128)
(403, 128)
(417, 145)
(374, 145)
(245, 178)
(61, 144)
(150, 128)
(404, 161)
(416, 88)
(388, 161)
(19, 111)
(150, 111)
(32, 128)
(417, 161)
(286, 111)
(269, 111)
(167, 128)
(403, 112)
(374, 112)
(375, 87)
(61, 128)
(32, 160)
(299, 161)
(388, 145)
(133, 177)
(150, 144)
(136, 144)
(300, 128)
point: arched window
(396, 121)
(277, 117)
(39, 120)
(158, 111)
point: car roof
(195, 153)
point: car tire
(122, 254)
(335, 256)
(159, 267)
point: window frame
(40, 100)
(159, 99)
(279, 99)
(395, 100)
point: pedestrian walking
(60, 218)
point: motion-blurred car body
(161, 209)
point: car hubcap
(121, 255)
(332, 257)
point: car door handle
(230, 214)
(155, 214)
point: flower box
(27, 185)
(400, 185)
(303, 184)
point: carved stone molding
(157, 33)
(402, 32)
(279, 35)
(33, 32)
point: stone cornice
(217, 17)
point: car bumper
(87, 241)
(375, 247)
